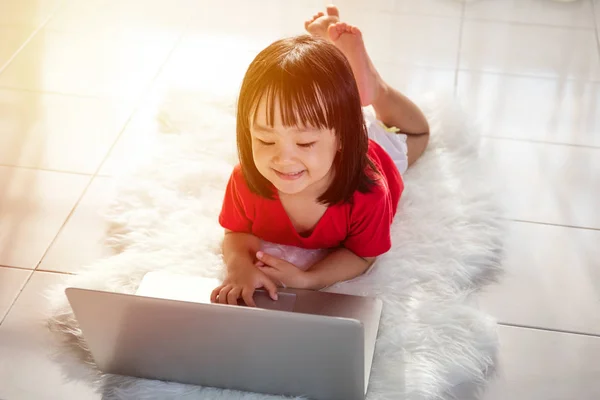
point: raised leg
(391, 107)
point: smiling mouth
(289, 176)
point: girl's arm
(239, 249)
(340, 265)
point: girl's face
(296, 160)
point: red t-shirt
(362, 226)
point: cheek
(321, 159)
(260, 154)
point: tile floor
(73, 74)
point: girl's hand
(241, 282)
(282, 271)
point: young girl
(316, 171)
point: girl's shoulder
(385, 169)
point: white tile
(416, 81)
(530, 50)
(140, 139)
(81, 241)
(210, 63)
(414, 40)
(576, 13)
(552, 279)
(123, 16)
(12, 281)
(445, 8)
(89, 64)
(346, 6)
(542, 365)
(545, 182)
(540, 109)
(58, 132)
(29, 369)
(27, 12)
(33, 206)
(260, 22)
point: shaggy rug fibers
(446, 247)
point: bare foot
(348, 39)
(320, 22)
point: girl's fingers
(223, 294)
(271, 288)
(247, 293)
(234, 295)
(215, 293)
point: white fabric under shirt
(393, 143)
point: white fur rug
(446, 246)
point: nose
(284, 154)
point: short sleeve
(236, 210)
(370, 223)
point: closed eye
(307, 145)
(265, 143)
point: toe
(353, 29)
(333, 32)
(333, 11)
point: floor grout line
(48, 271)
(46, 170)
(537, 328)
(532, 24)
(596, 16)
(37, 270)
(458, 51)
(542, 77)
(587, 228)
(30, 37)
(14, 267)
(16, 297)
(54, 93)
(582, 146)
(463, 15)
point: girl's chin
(290, 188)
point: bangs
(301, 101)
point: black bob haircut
(314, 84)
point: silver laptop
(314, 344)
